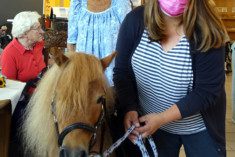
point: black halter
(81, 125)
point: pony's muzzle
(67, 152)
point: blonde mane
(69, 85)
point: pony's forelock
(71, 88)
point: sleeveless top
(96, 32)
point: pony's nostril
(79, 153)
(83, 154)
(66, 152)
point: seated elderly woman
(22, 60)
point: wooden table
(5, 123)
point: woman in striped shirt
(169, 76)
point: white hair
(23, 22)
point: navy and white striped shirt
(162, 79)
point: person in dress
(93, 27)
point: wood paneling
(226, 7)
(227, 13)
(229, 23)
(221, 3)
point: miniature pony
(68, 107)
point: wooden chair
(5, 123)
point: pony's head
(68, 106)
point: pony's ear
(58, 56)
(107, 60)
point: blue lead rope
(139, 142)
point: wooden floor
(230, 126)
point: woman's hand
(131, 118)
(151, 123)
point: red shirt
(21, 64)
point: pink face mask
(173, 7)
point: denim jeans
(195, 145)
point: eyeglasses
(38, 28)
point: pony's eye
(101, 100)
